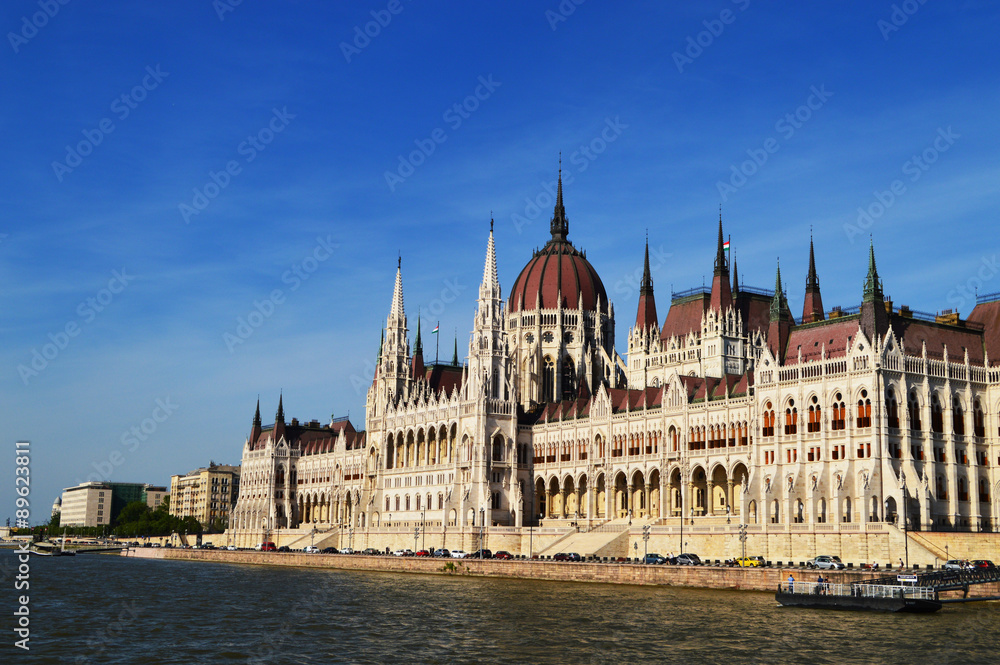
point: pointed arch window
(957, 415)
(864, 410)
(978, 419)
(913, 409)
(839, 420)
(937, 415)
(768, 428)
(791, 420)
(548, 380)
(815, 417)
(892, 410)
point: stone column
(646, 503)
(709, 497)
(730, 502)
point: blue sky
(169, 166)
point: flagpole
(437, 342)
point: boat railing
(861, 590)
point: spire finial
(812, 280)
(399, 261)
(778, 302)
(646, 287)
(559, 227)
(721, 266)
(873, 285)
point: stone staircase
(959, 545)
(610, 539)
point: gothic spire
(873, 285)
(721, 266)
(419, 347)
(280, 415)
(778, 303)
(396, 312)
(454, 357)
(559, 226)
(256, 415)
(490, 267)
(647, 279)
(812, 281)
(736, 279)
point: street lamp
(423, 528)
(645, 542)
(416, 535)
(743, 539)
(482, 523)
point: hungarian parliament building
(728, 410)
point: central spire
(559, 225)
(721, 265)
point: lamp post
(531, 535)
(350, 536)
(423, 529)
(482, 524)
(645, 542)
(416, 535)
(743, 539)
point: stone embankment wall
(705, 577)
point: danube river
(108, 609)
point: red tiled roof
(558, 268)
(988, 314)
(835, 335)
(914, 333)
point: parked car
(686, 560)
(654, 559)
(983, 563)
(957, 564)
(458, 554)
(422, 553)
(480, 554)
(826, 562)
(503, 554)
(267, 547)
(573, 556)
(371, 551)
(284, 548)
(310, 549)
(231, 548)
(441, 552)
(347, 550)
(329, 550)
(750, 562)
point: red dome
(558, 268)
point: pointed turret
(559, 226)
(417, 364)
(874, 317)
(395, 355)
(396, 310)
(454, 357)
(646, 316)
(812, 308)
(255, 429)
(736, 279)
(781, 320)
(722, 295)
(279, 420)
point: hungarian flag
(434, 332)
(725, 246)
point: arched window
(978, 419)
(891, 410)
(864, 410)
(913, 408)
(498, 448)
(407, 501)
(768, 428)
(568, 379)
(791, 420)
(937, 417)
(957, 415)
(397, 503)
(548, 380)
(942, 494)
(386, 504)
(839, 420)
(815, 417)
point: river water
(109, 609)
